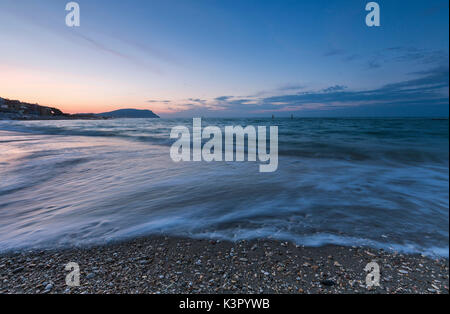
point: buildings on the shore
(21, 108)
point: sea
(378, 182)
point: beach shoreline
(159, 264)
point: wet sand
(180, 265)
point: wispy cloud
(223, 98)
(91, 41)
(334, 88)
(114, 52)
(390, 55)
(334, 52)
(427, 89)
(158, 101)
(291, 87)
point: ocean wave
(66, 183)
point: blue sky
(188, 58)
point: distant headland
(129, 113)
(18, 110)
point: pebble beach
(168, 265)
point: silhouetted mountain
(129, 113)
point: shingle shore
(181, 265)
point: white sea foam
(380, 183)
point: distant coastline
(18, 110)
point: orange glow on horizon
(71, 94)
(73, 106)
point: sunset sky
(228, 58)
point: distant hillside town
(17, 110)
(21, 108)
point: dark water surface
(376, 182)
